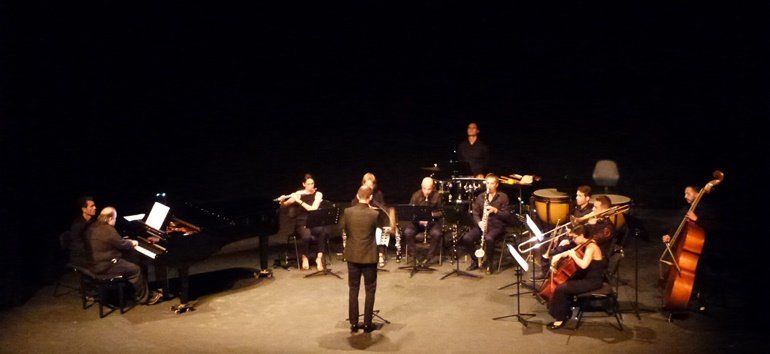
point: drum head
(616, 199)
(550, 193)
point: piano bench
(95, 288)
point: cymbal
(471, 179)
(431, 169)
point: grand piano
(188, 233)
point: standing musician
(359, 223)
(378, 202)
(590, 276)
(300, 203)
(426, 196)
(474, 151)
(690, 193)
(498, 217)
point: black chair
(604, 299)
(419, 240)
(95, 288)
(64, 239)
(292, 238)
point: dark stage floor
(289, 313)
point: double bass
(684, 251)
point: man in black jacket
(107, 246)
(77, 245)
(499, 212)
(359, 223)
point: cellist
(592, 266)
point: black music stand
(457, 270)
(323, 217)
(416, 213)
(521, 264)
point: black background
(212, 101)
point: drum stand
(521, 317)
(456, 256)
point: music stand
(522, 267)
(323, 217)
(416, 213)
(457, 270)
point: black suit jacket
(359, 222)
(106, 245)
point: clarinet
(480, 253)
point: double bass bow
(683, 253)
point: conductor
(359, 222)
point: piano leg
(184, 285)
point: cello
(559, 275)
(687, 244)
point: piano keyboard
(145, 252)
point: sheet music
(134, 217)
(157, 216)
(145, 252)
(519, 259)
(533, 227)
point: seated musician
(378, 201)
(601, 230)
(582, 204)
(581, 208)
(300, 203)
(76, 244)
(426, 196)
(589, 276)
(498, 218)
(107, 247)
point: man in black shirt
(474, 151)
(76, 243)
(359, 223)
(499, 212)
(426, 196)
(107, 252)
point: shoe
(369, 328)
(354, 328)
(552, 325)
(474, 265)
(155, 298)
(488, 270)
(381, 263)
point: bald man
(107, 252)
(426, 196)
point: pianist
(107, 246)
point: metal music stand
(416, 213)
(522, 267)
(323, 217)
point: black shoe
(369, 328)
(354, 328)
(488, 270)
(155, 298)
(553, 326)
(474, 265)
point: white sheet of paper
(134, 217)
(533, 227)
(522, 262)
(157, 216)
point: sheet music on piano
(157, 216)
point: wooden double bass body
(687, 244)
